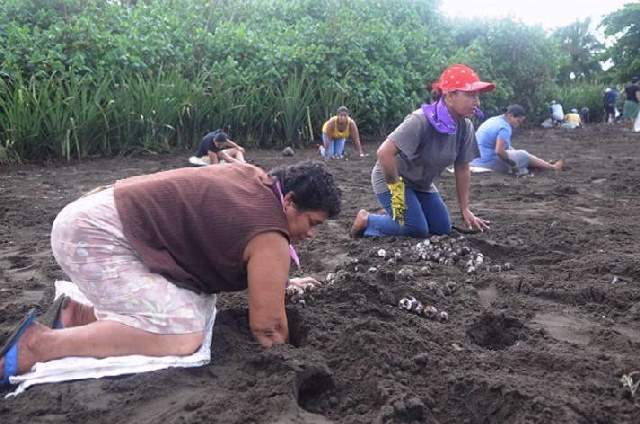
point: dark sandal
(51, 318)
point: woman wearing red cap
(415, 154)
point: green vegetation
(624, 25)
(87, 77)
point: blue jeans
(333, 147)
(426, 214)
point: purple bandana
(438, 115)
(292, 251)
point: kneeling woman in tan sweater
(150, 251)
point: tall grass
(61, 116)
(145, 113)
(67, 117)
(294, 97)
(21, 118)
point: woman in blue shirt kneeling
(496, 153)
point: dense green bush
(83, 77)
(271, 71)
(521, 60)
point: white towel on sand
(196, 161)
(204, 161)
(473, 169)
(77, 368)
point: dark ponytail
(436, 94)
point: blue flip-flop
(10, 348)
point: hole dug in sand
(297, 330)
(314, 384)
(488, 402)
(495, 332)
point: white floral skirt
(89, 245)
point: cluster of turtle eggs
(442, 250)
(382, 253)
(451, 251)
(474, 263)
(297, 295)
(411, 304)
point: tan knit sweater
(192, 224)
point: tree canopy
(582, 51)
(624, 53)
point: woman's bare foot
(360, 223)
(27, 348)
(558, 165)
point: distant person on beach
(335, 133)
(414, 155)
(610, 100)
(149, 258)
(557, 113)
(632, 101)
(585, 117)
(216, 146)
(572, 119)
(496, 152)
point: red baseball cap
(460, 77)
